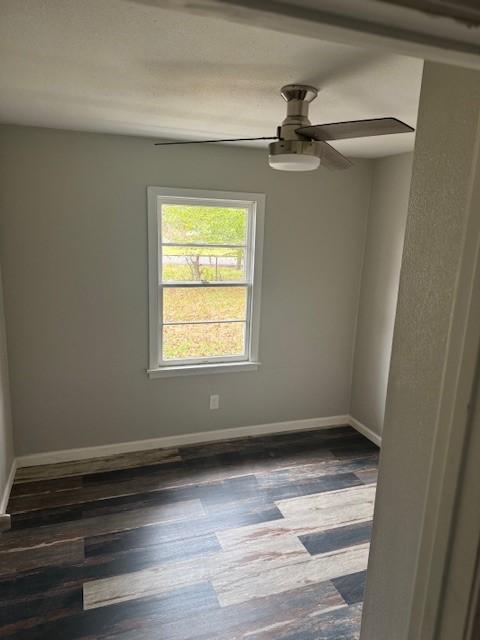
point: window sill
(202, 369)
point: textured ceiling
(124, 67)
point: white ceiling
(127, 67)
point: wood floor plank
(24, 559)
(312, 486)
(229, 491)
(368, 476)
(290, 576)
(215, 468)
(136, 490)
(323, 503)
(292, 452)
(116, 546)
(96, 465)
(90, 494)
(80, 529)
(219, 566)
(276, 485)
(116, 620)
(248, 620)
(271, 442)
(194, 551)
(367, 463)
(345, 449)
(351, 587)
(42, 518)
(304, 515)
(55, 579)
(337, 538)
(189, 529)
(341, 623)
(29, 614)
(40, 487)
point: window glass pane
(200, 304)
(189, 341)
(206, 225)
(203, 263)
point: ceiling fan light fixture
(294, 162)
(294, 155)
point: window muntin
(207, 284)
(208, 262)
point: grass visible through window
(202, 341)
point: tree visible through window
(205, 279)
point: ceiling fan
(301, 146)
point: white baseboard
(8, 487)
(365, 431)
(68, 455)
(165, 442)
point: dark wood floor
(256, 539)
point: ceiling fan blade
(163, 144)
(355, 129)
(333, 159)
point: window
(204, 280)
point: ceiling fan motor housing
(298, 98)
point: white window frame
(255, 205)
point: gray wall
(73, 246)
(6, 438)
(378, 298)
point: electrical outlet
(214, 402)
